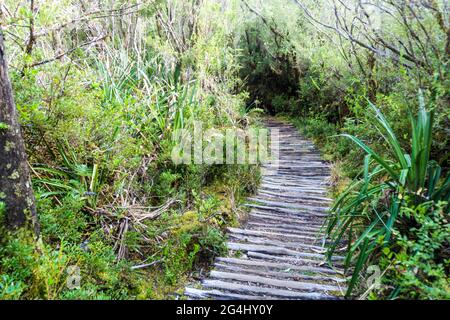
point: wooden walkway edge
(282, 244)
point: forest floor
(279, 252)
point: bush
(418, 263)
(378, 202)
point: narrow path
(279, 254)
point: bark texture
(15, 183)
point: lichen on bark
(15, 183)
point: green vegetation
(101, 87)
(325, 65)
(98, 126)
(400, 207)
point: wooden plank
(274, 235)
(305, 246)
(265, 292)
(290, 259)
(257, 215)
(284, 274)
(313, 221)
(216, 294)
(317, 210)
(279, 265)
(304, 212)
(274, 250)
(271, 282)
(300, 196)
(279, 227)
(279, 187)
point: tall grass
(371, 205)
(145, 76)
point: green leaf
(374, 155)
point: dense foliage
(102, 86)
(405, 198)
(326, 65)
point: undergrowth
(119, 219)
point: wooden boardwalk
(279, 253)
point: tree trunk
(15, 183)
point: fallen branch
(145, 265)
(131, 218)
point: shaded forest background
(101, 86)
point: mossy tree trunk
(15, 183)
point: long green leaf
(374, 155)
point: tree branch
(59, 56)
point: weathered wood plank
(257, 215)
(284, 274)
(317, 210)
(290, 259)
(265, 292)
(279, 265)
(279, 227)
(305, 246)
(219, 295)
(274, 250)
(295, 285)
(291, 211)
(294, 238)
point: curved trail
(281, 245)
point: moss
(187, 222)
(9, 145)
(14, 175)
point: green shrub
(65, 222)
(17, 260)
(10, 289)
(392, 182)
(194, 240)
(417, 265)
